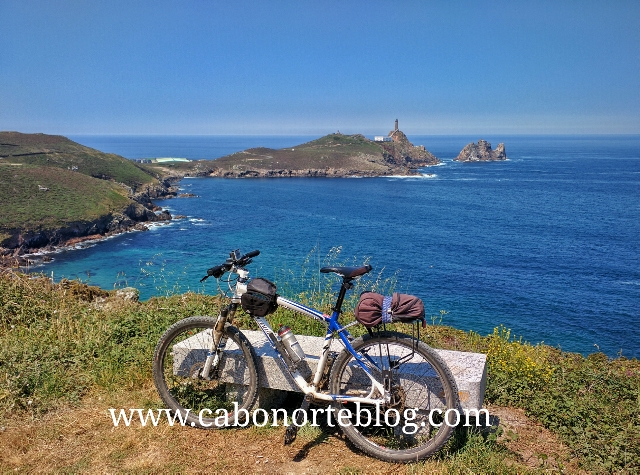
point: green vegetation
(59, 344)
(57, 151)
(70, 197)
(48, 182)
(347, 152)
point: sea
(546, 244)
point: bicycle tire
(422, 382)
(177, 364)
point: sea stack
(481, 152)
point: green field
(332, 151)
(57, 151)
(71, 197)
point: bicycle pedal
(292, 431)
(290, 434)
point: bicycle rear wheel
(178, 364)
(415, 424)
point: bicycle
(206, 365)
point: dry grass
(83, 440)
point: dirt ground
(84, 439)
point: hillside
(53, 189)
(69, 352)
(57, 151)
(331, 155)
(70, 197)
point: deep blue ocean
(546, 243)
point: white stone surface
(468, 369)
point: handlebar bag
(260, 297)
(374, 309)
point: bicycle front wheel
(415, 423)
(220, 398)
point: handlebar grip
(217, 271)
(251, 254)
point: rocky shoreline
(311, 173)
(28, 247)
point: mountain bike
(204, 368)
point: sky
(306, 67)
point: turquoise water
(547, 243)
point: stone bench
(468, 369)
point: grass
(59, 346)
(57, 151)
(336, 151)
(71, 197)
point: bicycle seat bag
(374, 309)
(260, 298)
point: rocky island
(334, 155)
(56, 192)
(481, 152)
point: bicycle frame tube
(333, 327)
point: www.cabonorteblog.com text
(410, 420)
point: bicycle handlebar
(218, 271)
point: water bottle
(294, 350)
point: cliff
(481, 152)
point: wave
(158, 224)
(412, 177)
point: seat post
(346, 285)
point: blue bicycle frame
(334, 327)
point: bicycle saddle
(347, 272)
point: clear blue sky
(306, 67)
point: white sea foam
(158, 224)
(412, 177)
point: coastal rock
(128, 294)
(481, 152)
(163, 216)
(20, 242)
(311, 173)
(138, 212)
(401, 152)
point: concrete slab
(468, 369)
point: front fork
(218, 340)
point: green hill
(331, 155)
(53, 189)
(70, 197)
(57, 151)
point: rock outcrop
(21, 242)
(481, 152)
(402, 152)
